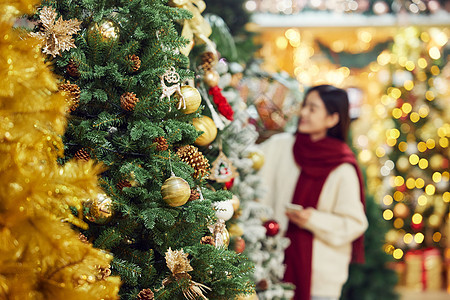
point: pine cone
(145, 294)
(123, 183)
(262, 285)
(128, 101)
(72, 69)
(73, 92)
(82, 154)
(161, 143)
(190, 155)
(208, 240)
(207, 61)
(135, 62)
(194, 195)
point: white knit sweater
(338, 220)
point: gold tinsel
(190, 155)
(40, 256)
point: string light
(398, 253)
(388, 214)
(419, 237)
(387, 200)
(417, 218)
(422, 200)
(437, 237)
(399, 223)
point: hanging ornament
(272, 227)
(222, 103)
(135, 62)
(235, 230)
(98, 210)
(224, 209)
(172, 77)
(72, 69)
(73, 94)
(220, 234)
(178, 263)
(192, 99)
(175, 191)
(56, 34)
(207, 125)
(235, 202)
(211, 78)
(128, 101)
(252, 296)
(190, 155)
(229, 184)
(257, 158)
(222, 169)
(238, 244)
(108, 30)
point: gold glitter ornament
(207, 125)
(99, 210)
(257, 158)
(211, 78)
(192, 99)
(175, 191)
(108, 30)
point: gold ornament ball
(211, 78)
(225, 237)
(401, 210)
(257, 158)
(247, 297)
(175, 191)
(107, 29)
(99, 210)
(192, 97)
(207, 125)
(235, 202)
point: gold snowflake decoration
(56, 34)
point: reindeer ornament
(171, 76)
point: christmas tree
(41, 257)
(130, 112)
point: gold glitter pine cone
(207, 60)
(72, 69)
(208, 240)
(73, 91)
(128, 101)
(145, 294)
(190, 155)
(82, 154)
(135, 62)
(161, 143)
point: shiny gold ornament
(175, 191)
(190, 155)
(108, 30)
(252, 296)
(220, 234)
(258, 159)
(192, 99)
(207, 125)
(99, 210)
(235, 202)
(211, 78)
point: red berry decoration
(272, 227)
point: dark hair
(336, 101)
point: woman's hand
(299, 217)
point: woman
(316, 169)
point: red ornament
(239, 245)
(272, 227)
(229, 184)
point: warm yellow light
(292, 34)
(434, 220)
(399, 180)
(429, 95)
(410, 183)
(295, 43)
(398, 196)
(413, 159)
(430, 189)
(410, 65)
(394, 133)
(380, 152)
(437, 237)
(397, 113)
(391, 142)
(402, 61)
(422, 200)
(389, 249)
(434, 53)
(445, 175)
(420, 183)
(419, 237)
(421, 76)
(388, 214)
(387, 200)
(414, 117)
(446, 197)
(437, 177)
(365, 155)
(405, 128)
(443, 142)
(423, 163)
(408, 85)
(338, 45)
(422, 147)
(384, 58)
(422, 63)
(398, 253)
(424, 36)
(431, 82)
(395, 93)
(435, 70)
(424, 111)
(281, 42)
(417, 218)
(431, 143)
(345, 71)
(407, 107)
(402, 146)
(398, 223)
(408, 238)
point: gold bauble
(235, 230)
(192, 98)
(175, 191)
(247, 297)
(401, 210)
(225, 237)
(207, 125)
(211, 78)
(258, 159)
(99, 210)
(235, 202)
(106, 28)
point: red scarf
(316, 160)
